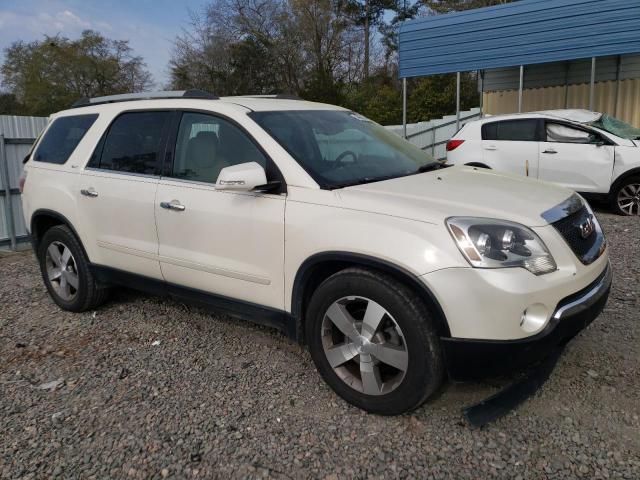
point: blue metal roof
(519, 33)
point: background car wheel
(373, 341)
(626, 199)
(65, 271)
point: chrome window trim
(121, 172)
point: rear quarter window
(62, 138)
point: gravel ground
(151, 388)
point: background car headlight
(489, 243)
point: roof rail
(127, 97)
(278, 96)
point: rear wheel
(626, 199)
(373, 341)
(65, 271)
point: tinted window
(207, 144)
(62, 138)
(512, 130)
(133, 142)
(340, 148)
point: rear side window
(512, 130)
(133, 143)
(62, 138)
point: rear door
(512, 145)
(575, 157)
(117, 193)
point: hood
(458, 191)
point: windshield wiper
(361, 181)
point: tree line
(336, 51)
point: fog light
(534, 318)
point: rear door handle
(90, 192)
(490, 147)
(173, 205)
(550, 150)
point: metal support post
(520, 88)
(404, 107)
(8, 204)
(457, 101)
(592, 90)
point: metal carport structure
(521, 33)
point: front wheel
(373, 341)
(626, 198)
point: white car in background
(589, 152)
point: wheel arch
(43, 219)
(478, 165)
(634, 172)
(317, 268)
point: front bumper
(469, 358)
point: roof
(570, 115)
(150, 101)
(520, 33)
(258, 104)
(573, 115)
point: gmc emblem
(587, 228)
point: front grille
(569, 228)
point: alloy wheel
(62, 271)
(629, 199)
(364, 345)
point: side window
(62, 138)
(206, 144)
(559, 133)
(133, 143)
(511, 130)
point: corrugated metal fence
(17, 134)
(433, 135)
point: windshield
(617, 127)
(340, 148)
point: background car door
(221, 242)
(576, 158)
(511, 146)
(117, 192)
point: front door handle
(90, 192)
(173, 205)
(550, 150)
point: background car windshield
(617, 127)
(340, 148)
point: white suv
(394, 270)
(589, 152)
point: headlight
(489, 243)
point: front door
(226, 243)
(576, 158)
(511, 146)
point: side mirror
(241, 178)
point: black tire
(425, 371)
(634, 203)
(89, 294)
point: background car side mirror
(241, 178)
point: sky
(149, 25)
